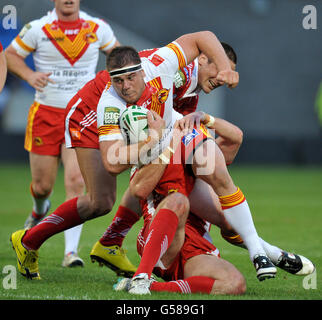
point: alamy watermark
(9, 21)
(10, 279)
(310, 281)
(310, 20)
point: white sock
(272, 252)
(72, 237)
(41, 205)
(240, 218)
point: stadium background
(280, 70)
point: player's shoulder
(87, 17)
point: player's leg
(163, 242)
(74, 186)
(205, 204)
(227, 279)
(127, 214)
(233, 202)
(99, 200)
(43, 175)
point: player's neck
(70, 17)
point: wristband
(210, 122)
(164, 158)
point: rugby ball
(134, 124)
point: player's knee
(178, 203)
(237, 284)
(102, 206)
(74, 183)
(41, 188)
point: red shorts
(45, 130)
(80, 125)
(189, 143)
(195, 244)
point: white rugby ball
(134, 124)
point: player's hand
(187, 123)
(228, 77)
(156, 126)
(39, 80)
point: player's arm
(117, 156)
(147, 177)
(16, 65)
(229, 139)
(3, 69)
(206, 42)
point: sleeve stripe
(109, 129)
(179, 54)
(108, 44)
(23, 45)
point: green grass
(286, 203)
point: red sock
(161, 233)
(64, 217)
(123, 221)
(197, 284)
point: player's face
(67, 7)
(207, 73)
(130, 86)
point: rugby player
(65, 45)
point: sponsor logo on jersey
(163, 95)
(24, 30)
(111, 115)
(189, 137)
(156, 60)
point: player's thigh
(72, 173)
(209, 165)
(100, 185)
(43, 172)
(205, 203)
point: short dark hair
(230, 52)
(122, 56)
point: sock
(123, 221)
(197, 284)
(72, 237)
(272, 252)
(40, 204)
(161, 234)
(238, 215)
(63, 218)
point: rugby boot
(295, 264)
(114, 258)
(265, 269)
(32, 221)
(122, 284)
(27, 260)
(140, 284)
(71, 260)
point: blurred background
(280, 64)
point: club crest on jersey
(111, 115)
(38, 141)
(90, 37)
(163, 95)
(189, 137)
(156, 60)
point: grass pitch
(286, 204)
